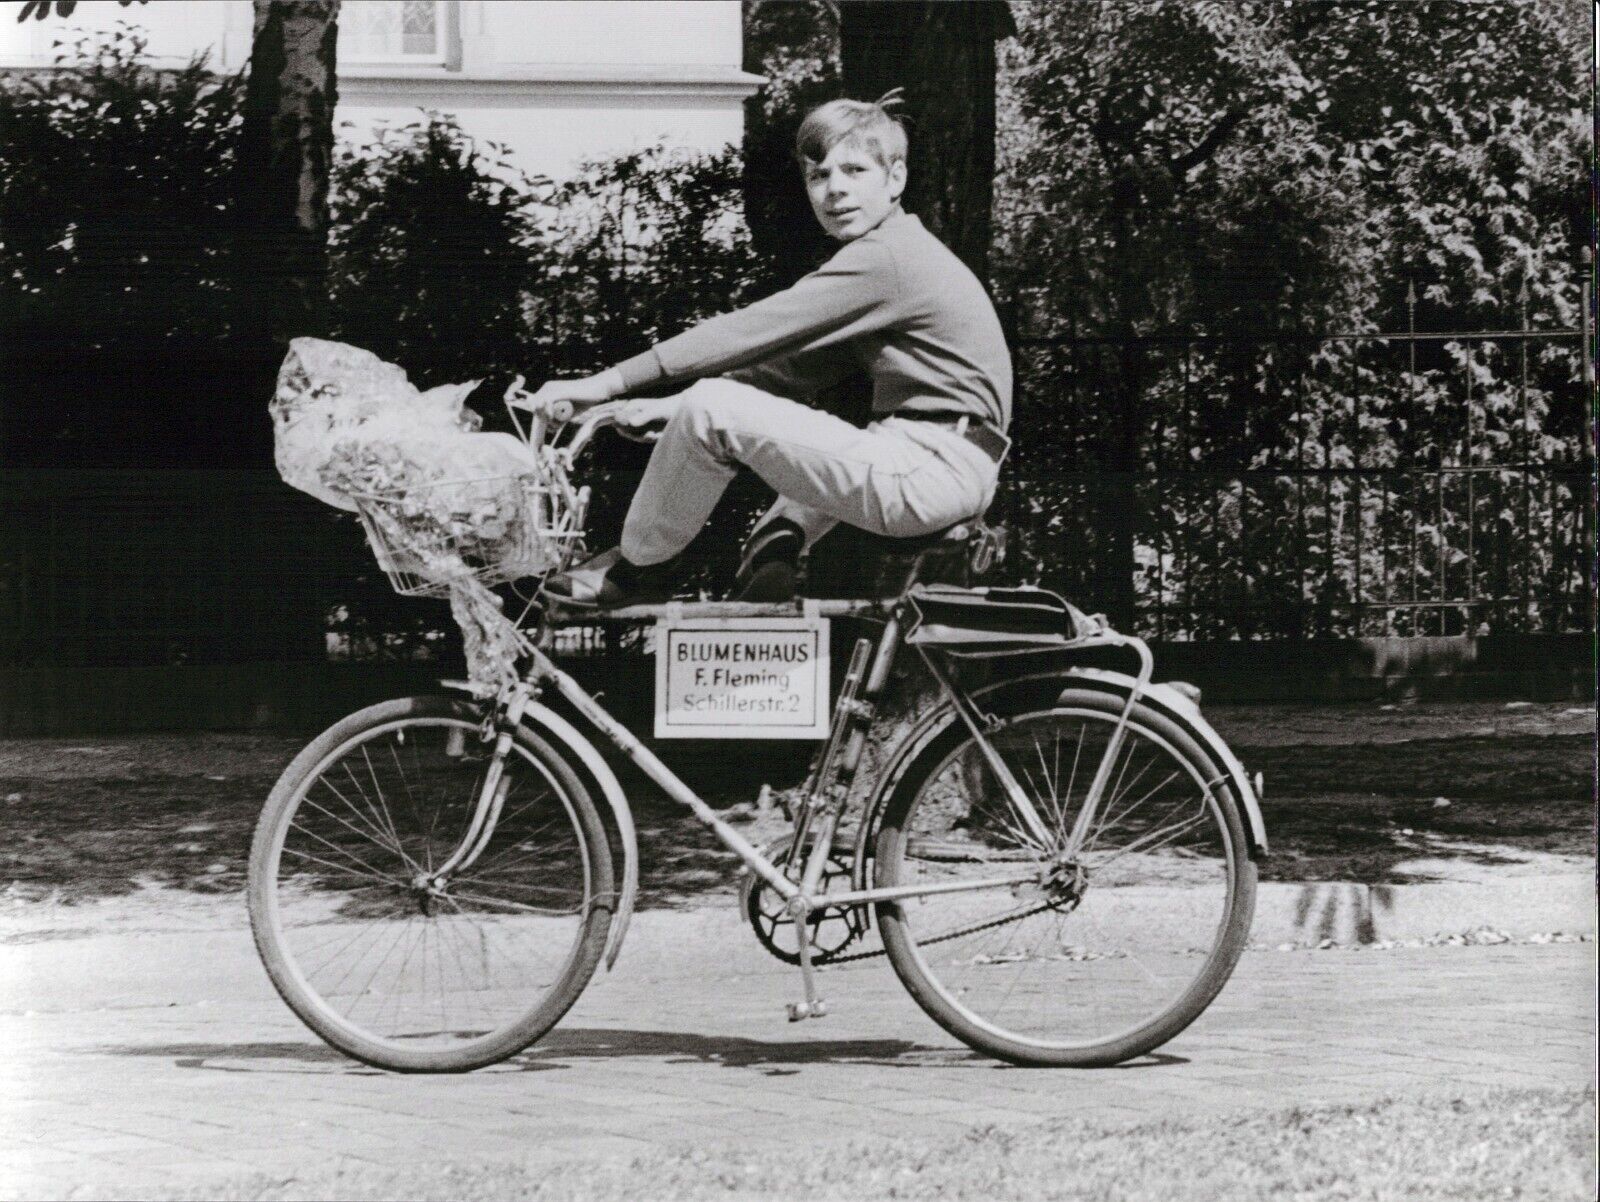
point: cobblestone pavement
(163, 1060)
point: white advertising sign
(742, 678)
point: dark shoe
(609, 581)
(771, 582)
(770, 570)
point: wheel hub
(425, 890)
(1064, 884)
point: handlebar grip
(561, 411)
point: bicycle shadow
(562, 1048)
(565, 1049)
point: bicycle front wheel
(364, 941)
(1086, 958)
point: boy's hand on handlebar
(590, 390)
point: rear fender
(1163, 698)
(1174, 705)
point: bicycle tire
(1146, 892)
(345, 862)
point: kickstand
(813, 1006)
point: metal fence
(1305, 486)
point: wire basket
(431, 538)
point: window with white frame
(392, 31)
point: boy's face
(851, 192)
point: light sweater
(894, 302)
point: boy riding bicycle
(894, 302)
(1060, 863)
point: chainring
(832, 928)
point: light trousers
(896, 477)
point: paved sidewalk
(162, 1060)
(146, 1051)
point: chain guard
(832, 928)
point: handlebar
(600, 417)
(584, 424)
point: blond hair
(866, 124)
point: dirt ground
(1369, 793)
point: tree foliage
(641, 245)
(1240, 178)
(794, 44)
(43, 9)
(1236, 178)
(115, 185)
(1256, 166)
(434, 245)
(116, 251)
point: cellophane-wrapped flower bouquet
(447, 507)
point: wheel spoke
(1003, 812)
(498, 858)
(382, 839)
(366, 985)
(1126, 811)
(1028, 777)
(516, 907)
(1053, 785)
(363, 869)
(359, 788)
(369, 816)
(1155, 839)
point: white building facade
(555, 81)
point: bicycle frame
(823, 806)
(847, 736)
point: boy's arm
(800, 375)
(850, 294)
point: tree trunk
(281, 254)
(285, 161)
(943, 55)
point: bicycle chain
(945, 938)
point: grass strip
(1535, 1144)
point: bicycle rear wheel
(1101, 956)
(374, 954)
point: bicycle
(1061, 863)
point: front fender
(565, 736)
